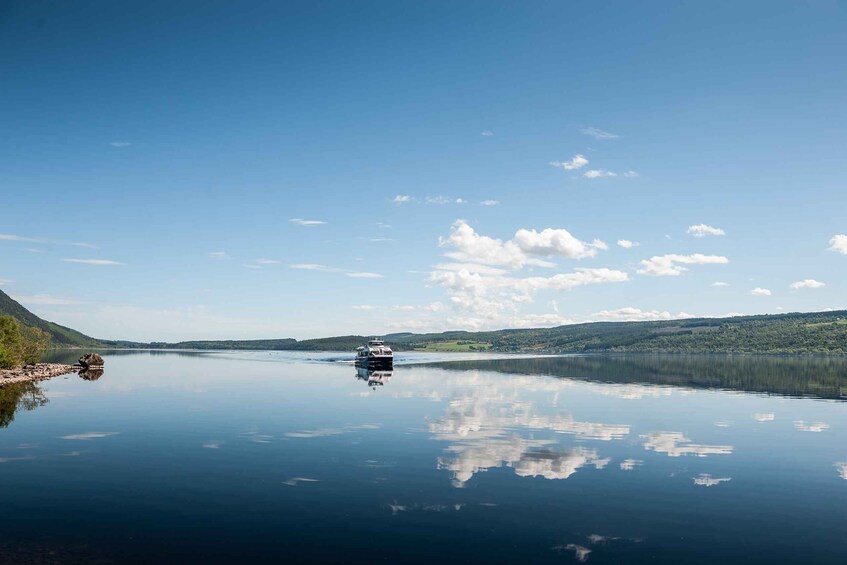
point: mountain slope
(62, 336)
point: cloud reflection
(815, 427)
(488, 421)
(294, 481)
(580, 551)
(90, 435)
(707, 480)
(630, 464)
(675, 444)
(557, 465)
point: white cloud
(702, 230)
(759, 291)
(492, 296)
(671, 265)
(597, 133)
(11, 237)
(302, 222)
(267, 262)
(707, 480)
(576, 162)
(630, 314)
(631, 174)
(842, 469)
(627, 244)
(475, 248)
(598, 173)
(23, 238)
(6, 281)
(444, 200)
(558, 242)
(471, 267)
(838, 243)
(328, 269)
(44, 300)
(402, 199)
(815, 427)
(363, 307)
(120, 143)
(764, 417)
(218, 255)
(487, 133)
(489, 202)
(806, 283)
(315, 267)
(92, 261)
(719, 284)
(480, 287)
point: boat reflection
(373, 377)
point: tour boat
(374, 354)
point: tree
(11, 342)
(20, 346)
(35, 341)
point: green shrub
(20, 346)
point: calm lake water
(272, 457)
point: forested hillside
(60, 335)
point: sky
(212, 170)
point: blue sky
(190, 147)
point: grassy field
(463, 345)
(835, 323)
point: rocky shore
(38, 372)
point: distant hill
(816, 332)
(62, 336)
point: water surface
(273, 456)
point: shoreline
(34, 373)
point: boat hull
(373, 361)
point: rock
(91, 360)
